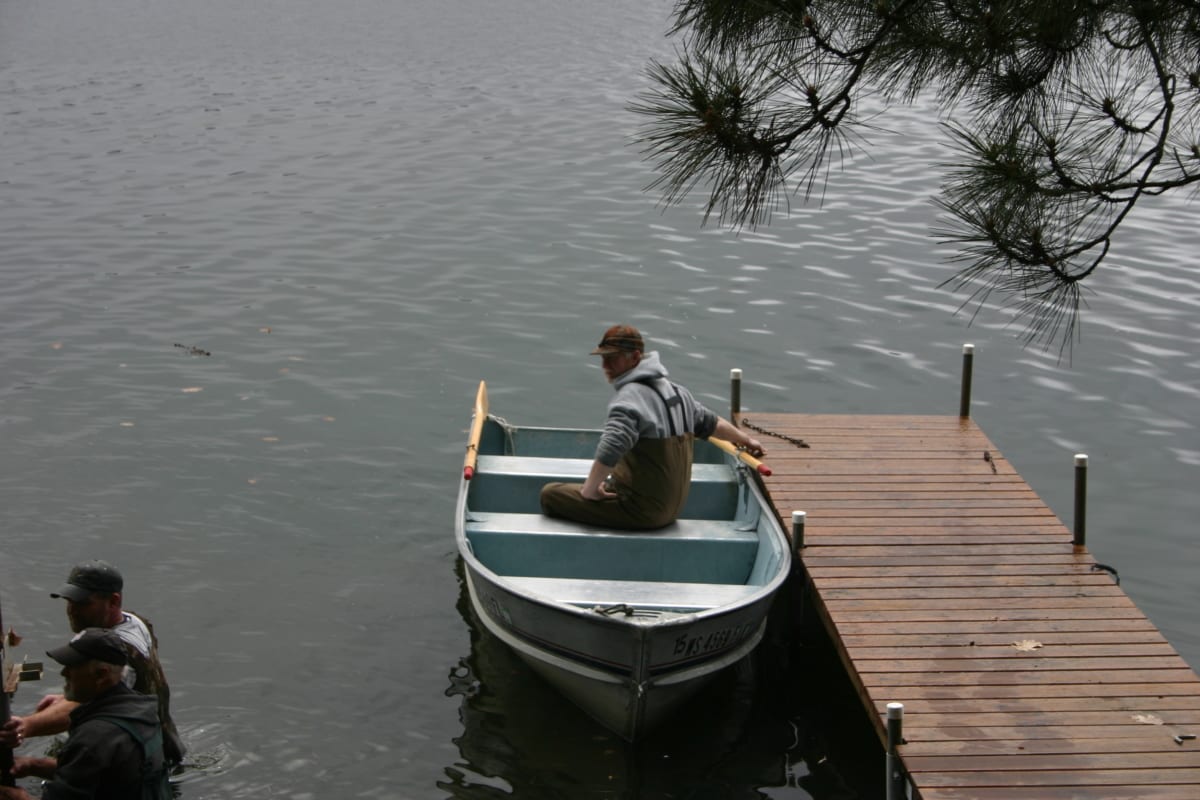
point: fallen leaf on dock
(12, 638)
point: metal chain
(759, 429)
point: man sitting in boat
(643, 465)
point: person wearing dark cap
(93, 592)
(114, 747)
(642, 469)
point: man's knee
(555, 496)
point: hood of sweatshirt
(649, 368)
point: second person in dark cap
(90, 577)
(94, 592)
(646, 445)
(114, 747)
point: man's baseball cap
(619, 339)
(91, 644)
(89, 577)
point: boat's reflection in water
(737, 739)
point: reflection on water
(741, 737)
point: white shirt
(135, 633)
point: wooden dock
(947, 585)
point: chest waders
(651, 482)
(154, 784)
(152, 681)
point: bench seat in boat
(513, 483)
(657, 595)
(686, 551)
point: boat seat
(576, 469)
(657, 595)
(686, 551)
(513, 484)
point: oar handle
(481, 412)
(750, 460)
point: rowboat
(627, 624)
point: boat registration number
(716, 640)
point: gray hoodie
(646, 405)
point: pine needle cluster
(1062, 117)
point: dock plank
(1135, 704)
(1061, 762)
(1036, 779)
(993, 692)
(1064, 793)
(947, 584)
(1128, 744)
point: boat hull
(630, 678)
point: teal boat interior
(719, 551)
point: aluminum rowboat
(626, 624)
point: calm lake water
(255, 258)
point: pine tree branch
(1066, 116)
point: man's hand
(12, 733)
(597, 492)
(739, 438)
(24, 767)
(594, 487)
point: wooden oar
(481, 412)
(730, 448)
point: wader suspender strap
(154, 782)
(142, 742)
(667, 403)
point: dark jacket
(101, 760)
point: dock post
(1081, 461)
(798, 532)
(735, 395)
(799, 576)
(964, 401)
(895, 737)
